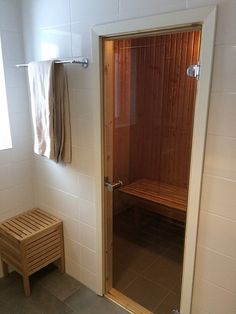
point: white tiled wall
(16, 190)
(62, 29)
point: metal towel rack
(80, 60)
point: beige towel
(50, 110)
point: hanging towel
(50, 110)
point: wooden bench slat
(26, 228)
(40, 259)
(36, 221)
(26, 224)
(38, 242)
(49, 261)
(45, 246)
(44, 218)
(13, 230)
(161, 193)
(31, 223)
(43, 252)
(40, 220)
(43, 213)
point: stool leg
(26, 284)
(62, 264)
(5, 268)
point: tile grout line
(161, 302)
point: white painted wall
(62, 29)
(16, 191)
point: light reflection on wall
(49, 51)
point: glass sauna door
(148, 116)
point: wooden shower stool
(31, 241)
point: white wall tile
(221, 156)
(87, 212)
(24, 197)
(53, 43)
(86, 188)
(88, 278)
(49, 13)
(82, 132)
(225, 30)
(7, 202)
(73, 269)
(88, 259)
(79, 77)
(224, 74)
(14, 76)
(222, 115)
(49, 173)
(17, 99)
(10, 18)
(20, 125)
(73, 250)
(210, 265)
(212, 299)
(71, 228)
(83, 159)
(22, 149)
(58, 200)
(22, 200)
(104, 10)
(217, 233)
(22, 171)
(12, 46)
(81, 39)
(81, 103)
(218, 196)
(6, 176)
(6, 156)
(87, 236)
(134, 8)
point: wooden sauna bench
(173, 197)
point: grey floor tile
(5, 308)
(7, 281)
(104, 306)
(40, 301)
(164, 271)
(47, 302)
(171, 302)
(122, 276)
(146, 293)
(82, 300)
(60, 285)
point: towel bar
(80, 60)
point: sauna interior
(149, 113)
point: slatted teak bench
(31, 241)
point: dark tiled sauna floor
(147, 260)
(52, 293)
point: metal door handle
(112, 186)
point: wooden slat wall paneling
(153, 102)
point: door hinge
(194, 71)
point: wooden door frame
(206, 16)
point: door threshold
(125, 302)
